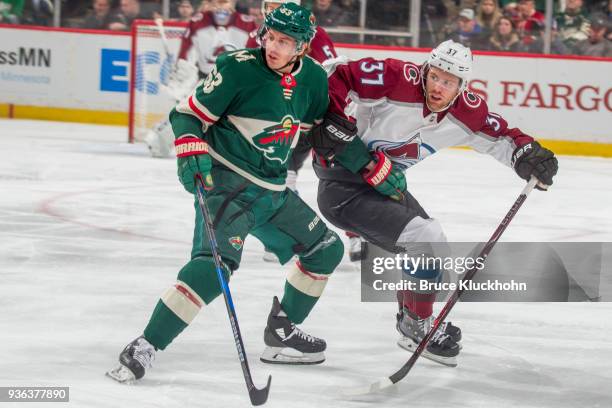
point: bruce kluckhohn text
(424, 285)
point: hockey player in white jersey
(405, 113)
(209, 34)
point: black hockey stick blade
(259, 397)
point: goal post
(150, 67)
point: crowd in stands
(581, 27)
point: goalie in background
(209, 34)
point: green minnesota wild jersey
(251, 116)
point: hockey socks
(418, 304)
(196, 286)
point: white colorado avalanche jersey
(387, 100)
(205, 40)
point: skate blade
(408, 344)
(122, 375)
(281, 355)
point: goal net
(151, 65)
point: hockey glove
(192, 158)
(385, 178)
(330, 137)
(182, 80)
(532, 159)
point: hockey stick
(162, 33)
(402, 372)
(258, 396)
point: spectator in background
(572, 24)
(129, 10)
(539, 4)
(609, 12)
(468, 33)
(530, 20)
(328, 14)
(487, 15)
(205, 5)
(504, 37)
(38, 12)
(11, 11)
(453, 7)
(255, 11)
(596, 45)
(100, 17)
(185, 11)
(533, 42)
(511, 10)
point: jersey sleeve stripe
(201, 111)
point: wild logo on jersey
(236, 242)
(275, 141)
(405, 153)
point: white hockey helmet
(264, 3)
(454, 58)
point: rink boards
(83, 76)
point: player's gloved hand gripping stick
(193, 159)
(257, 396)
(385, 177)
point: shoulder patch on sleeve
(412, 73)
(470, 109)
(471, 99)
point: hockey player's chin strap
(295, 60)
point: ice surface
(92, 231)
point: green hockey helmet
(293, 20)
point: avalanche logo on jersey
(220, 50)
(405, 153)
(275, 141)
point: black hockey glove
(534, 160)
(331, 136)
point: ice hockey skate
(442, 347)
(286, 344)
(134, 360)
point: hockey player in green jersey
(237, 131)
